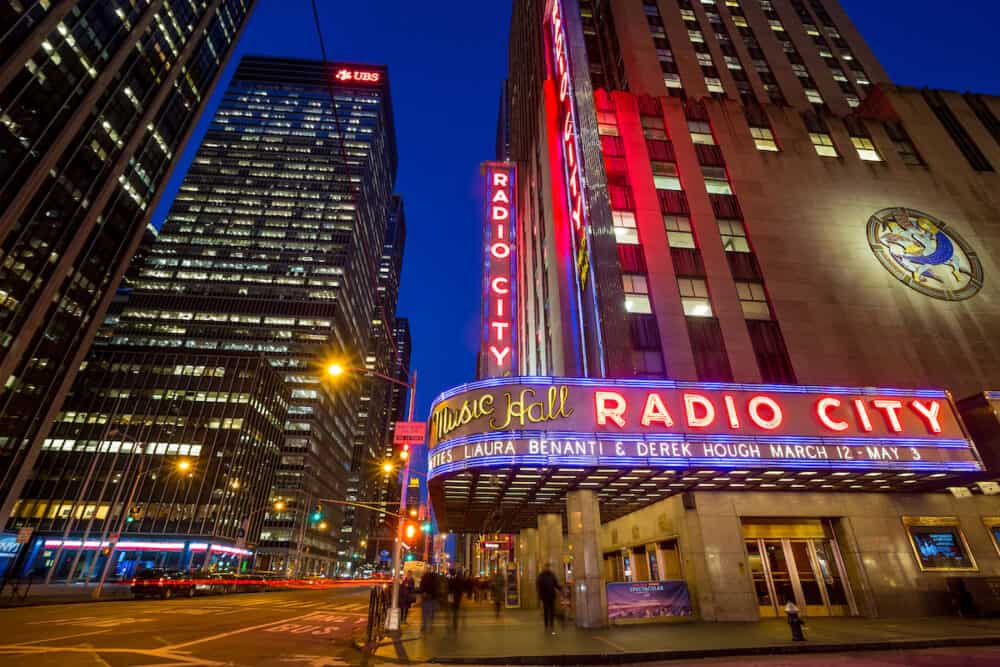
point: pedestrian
(406, 594)
(795, 621)
(497, 587)
(548, 586)
(429, 591)
(457, 587)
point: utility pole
(392, 620)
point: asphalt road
(298, 627)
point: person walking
(429, 591)
(457, 587)
(548, 586)
(406, 594)
(497, 587)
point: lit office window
(823, 144)
(763, 139)
(694, 297)
(866, 149)
(636, 294)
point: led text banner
(499, 305)
(635, 423)
(350, 75)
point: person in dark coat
(406, 594)
(458, 586)
(548, 587)
(429, 592)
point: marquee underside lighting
(504, 450)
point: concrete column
(583, 517)
(550, 544)
(527, 566)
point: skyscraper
(745, 262)
(272, 247)
(98, 100)
(719, 153)
(379, 398)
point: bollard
(794, 622)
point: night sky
(446, 61)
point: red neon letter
(754, 408)
(823, 408)
(500, 285)
(859, 408)
(499, 355)
(500, 213)
(929, 413)
(500, 179)
(692, 400)
(500, 250)
(734, 420)
(655, 411)
(499, 327)
(610, 405)
(889, 408)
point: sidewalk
(518, 638)
(39, 594)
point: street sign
(24, 535)
(409, 433)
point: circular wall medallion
(924, 253)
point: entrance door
(808, 572)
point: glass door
(808, 572)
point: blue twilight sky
(446, 59)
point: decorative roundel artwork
(925, 254)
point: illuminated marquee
(498, 271)
(345, 75)
(625, 423)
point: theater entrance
(797, 561)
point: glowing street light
(335, 370)
(387, 467)
(183, 465)
(279, 505)
(322, 525)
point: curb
(689, 654)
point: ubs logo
(924, 253)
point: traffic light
(317, 513)
(409, 556)
(405, 452)
(132, 512)
(426, 526)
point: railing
(378, 610)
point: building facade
(732, 196)
(380, 400)
(272, 247)
(99, 99)
(168, 454)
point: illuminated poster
(636, 423)
(498, 354)
(939, 544)
(630, 601)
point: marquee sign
(639, 423)
(499, 293)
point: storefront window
(938, 544)
(993, 526)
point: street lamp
(182, 465)
(335, 370)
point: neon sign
(624, 423)
(345, 75)
(498, 271)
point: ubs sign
(640, 423)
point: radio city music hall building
(738, 320)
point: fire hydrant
(794, 622)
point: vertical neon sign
(573, 175)
(499, 300)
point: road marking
(611, 643)
(52, 639)
(223, 635)
(315, 660)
